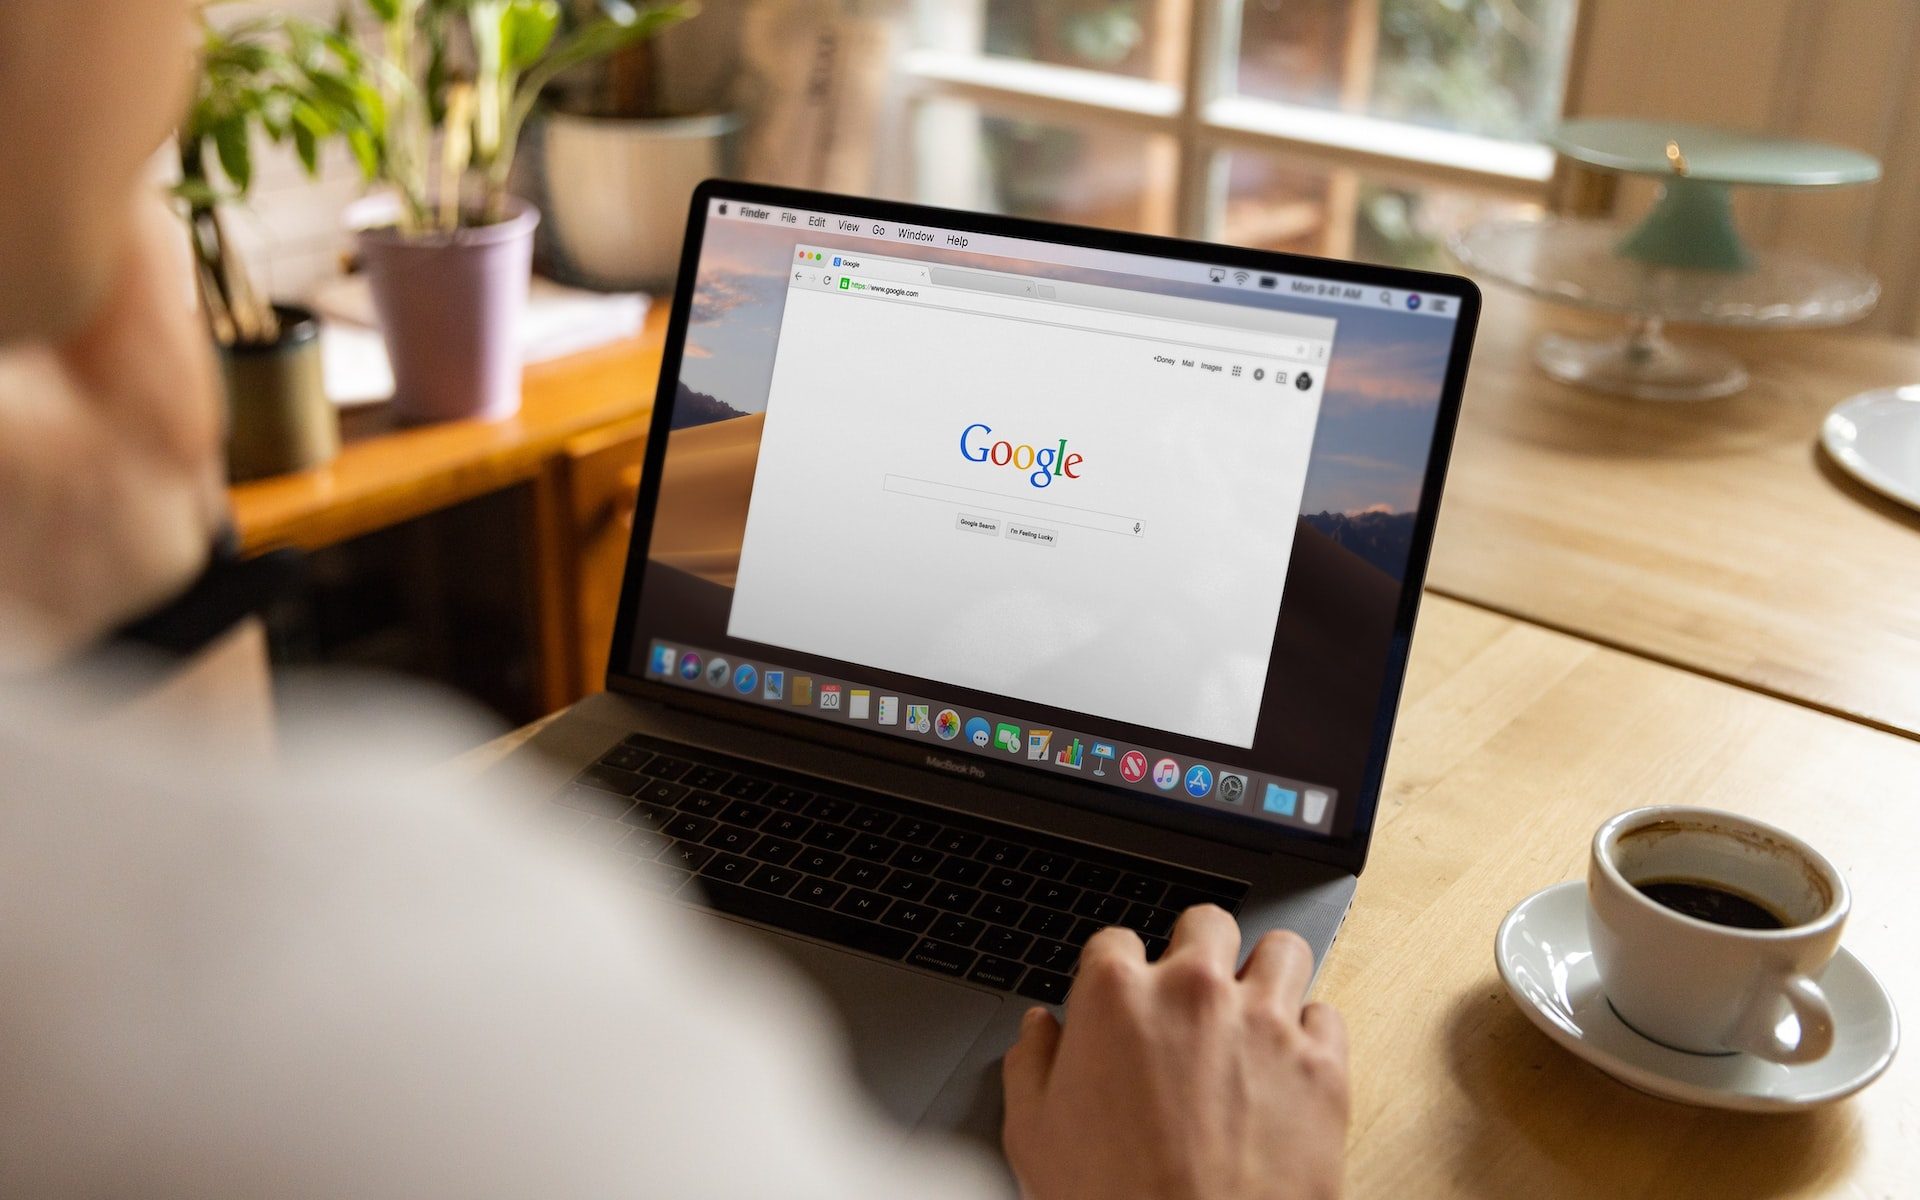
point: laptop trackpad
(908, 1031)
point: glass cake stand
(1684, 262)
(1578, 262)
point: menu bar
(955, 729)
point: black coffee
(1709, 902)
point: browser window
(963, 480)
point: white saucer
(1875, 437)
(1544, 960)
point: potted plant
(454, 82)
(618, 160)
(287, 79)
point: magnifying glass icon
(1386, 298)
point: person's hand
(110, 458)
(1178, 1080)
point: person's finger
(1205, 931)
(1115, 943)
(1324, 1024)
(1024, 1070)
(1280, 967)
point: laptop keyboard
(959, 895)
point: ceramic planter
(450, 308)
(279, 417)
(616, 193)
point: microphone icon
(1136, 527)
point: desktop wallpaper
(1352, 536)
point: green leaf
(236, 157)
(387, 11)
(527, 28)
(307, 147)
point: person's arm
(1178, 1080)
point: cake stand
(1684, 263)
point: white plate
(1544, 960)
(1875, 436)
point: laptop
(995, 581)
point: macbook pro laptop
(995, 581)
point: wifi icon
(1240, 277)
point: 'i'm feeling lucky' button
(1032, 534)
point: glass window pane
(967, 158)
(1123, 37)
(1281, 204)
(1492, 67)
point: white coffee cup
(1704, 987)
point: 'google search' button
(972, 524)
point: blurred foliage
(1490, 66)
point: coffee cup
(1710, 929)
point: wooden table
(1715, 536)
(581, 426)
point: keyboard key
(958, 841)
(626, 758)
(996, 853)
(663, 767)
(907, 885)
(1093, 875)
(690, 828)
(663, 793)
(826, 808)
(915, 858)
(686, 855)
(953, 897)
(872, 847)
(705, 778)
(744, 787)
(871, 820)
(784, 912)
(1045, 986)
(864, 904)
(959, 930)
(1054, 895)
(1047, 866)
(1100, 907)
(960, 870)
(731, 839)
(729, 868)
(1047, 922)
(824, 892)
(787, 798)
(742, 813)
(819, 862)
(786, 825)
(778, 880)
(998, 910)
(1146, 919)
(915, 832)
(1007, 883)
(1156, 946)
(828, 837)
(596, 802)
(650, 816)
(1007, 943)
(778, 851)
(996, 972)
(861, 874)
(1082, 930)
(939, 956)
(643, 843)
(702, 804)
(612, 779)
(1053, 956)
(601, 832)
(1140, 888)
(906, 914)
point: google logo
(1042, 462)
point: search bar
(1019, 506)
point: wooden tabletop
(1514, 743)
(1714, 535)
(386, 474)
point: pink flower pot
(450, 308)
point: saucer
(1875, 437)
(1544, 960)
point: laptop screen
(1138, 522)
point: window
(1355, 128)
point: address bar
(1160, 329)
